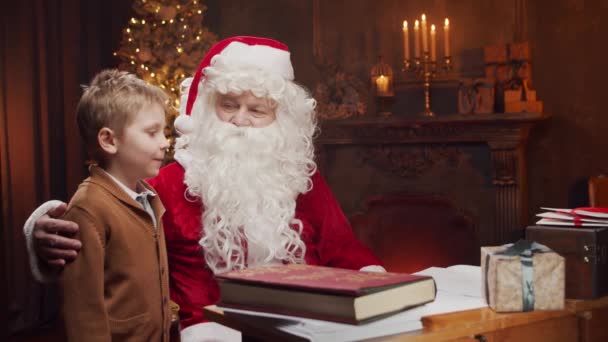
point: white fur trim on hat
(28, 228)
(270, 59)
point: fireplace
(466, 173)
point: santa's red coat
(327, 234)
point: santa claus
(244, 191)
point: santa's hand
(53, 240)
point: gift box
(524, 276)
(495, 54)
(524, 106)
(519, 51)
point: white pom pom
(183, 124)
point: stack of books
(336, 305)
(577, 217)
(324, 293)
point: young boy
(118, 289)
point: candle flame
(423, 17)
(433, 28)
(447, 22)
(405, 24)
(416, 24)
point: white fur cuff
(209, 332)
(28, 227)
(373, 268)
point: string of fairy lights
(165, 42)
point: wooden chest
(586, 253)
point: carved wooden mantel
(505, 135)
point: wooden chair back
(598, 191)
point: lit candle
(446, 41)
(425, 44)
(406, 41)
(417, 39)
(433, 44)
(382, 85)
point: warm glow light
(137, 50)
(171, 21)
(153, 74)
(180, 50)
(446, 39)
(200, 12)
(382, 85)
(433, 43)
(416, 24)
(185, 27)
(406, 41)
(143, 21)
(163, 22)
(128, 30)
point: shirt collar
(134, 195)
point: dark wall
(570, 55)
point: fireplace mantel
(505, 134)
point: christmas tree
(165, 44)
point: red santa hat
(262, 53)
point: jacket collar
(101, 178)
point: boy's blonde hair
(112, 100)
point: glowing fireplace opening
(410, 232)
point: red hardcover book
(325, 293)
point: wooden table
(580, 321)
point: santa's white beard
(248, 179)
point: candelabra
(426, 69)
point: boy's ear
(107, 140)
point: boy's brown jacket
(118, 287)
